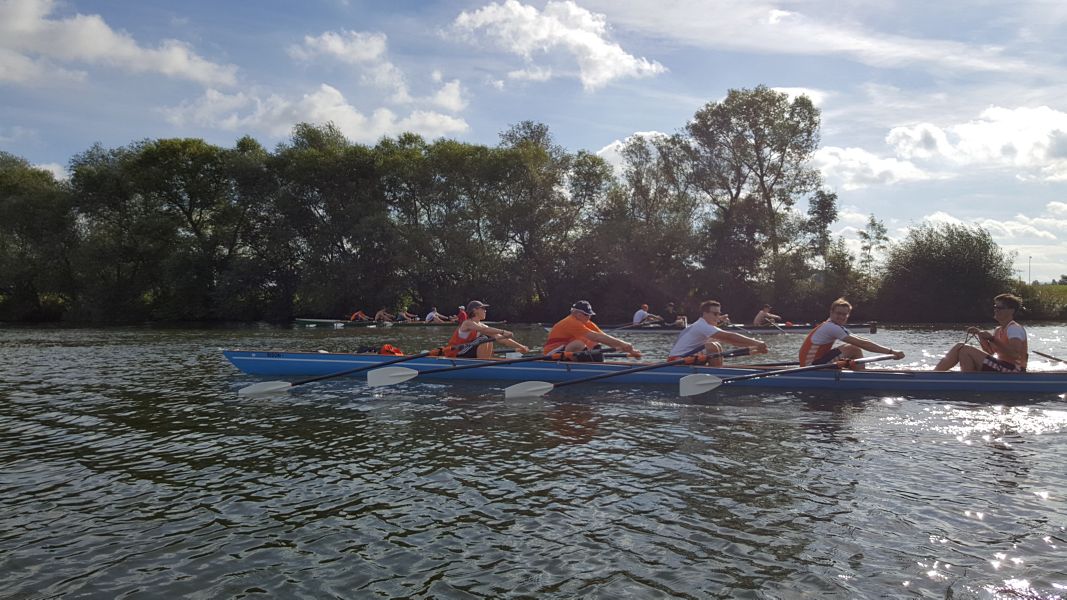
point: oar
(691, 385)
(392, 375)
(1051, 358)
(271, 387)
(531, 389)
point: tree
(642, 233)
(37, 240)
(873, 237)
(751, 163)
(945, 273)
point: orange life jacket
(809, 352)
(1001, 335)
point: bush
(945, 273)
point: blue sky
(946, 111)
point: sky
(932, 112)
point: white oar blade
(390, 376)
(528, 389)
(264, 388)
(691, 385)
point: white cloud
(943, 218)
(532, 73)
(1058, 209)
(450, 96)
(562, 27)
(31, 44)
(352, 47)
(851, 216)
(276, 115)
(1019, 229)
(813, 28)
(817, 97)
(1032, 141)
(365, 50)
(612, 153)
(855, 168)
(57, 170)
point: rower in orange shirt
(577, 332)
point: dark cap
(583, 306)
(473, 304)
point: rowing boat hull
(301, 364)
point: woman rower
(472, 327)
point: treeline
(727, 208)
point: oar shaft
(677, 361)
(495, 363)
(461, 349)
(365, 368)
(1048, 356)
(807, 368)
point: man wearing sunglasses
(1003, 350)
(704, 334)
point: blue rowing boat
(299, 364)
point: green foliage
(1047, 302)
(946, 273)
(179, 229)
(749, 164)
(37, 237)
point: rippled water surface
(130, 468)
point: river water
(130, 468)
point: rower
(704, 333)
(818, 348)
(359, 315)
(435, 317)
(642, 316)
(765, 317)
(577, 332)
(1003, 350)
(671, 318)
(472, 327)
(383, 315)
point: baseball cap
(473, 304)
(583, 306)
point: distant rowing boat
(299, 364)
(625, 329)
(340, 323)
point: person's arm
(1012, 352)
(622, 346)
(866, 344)
(736, 339)
(503, 335)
